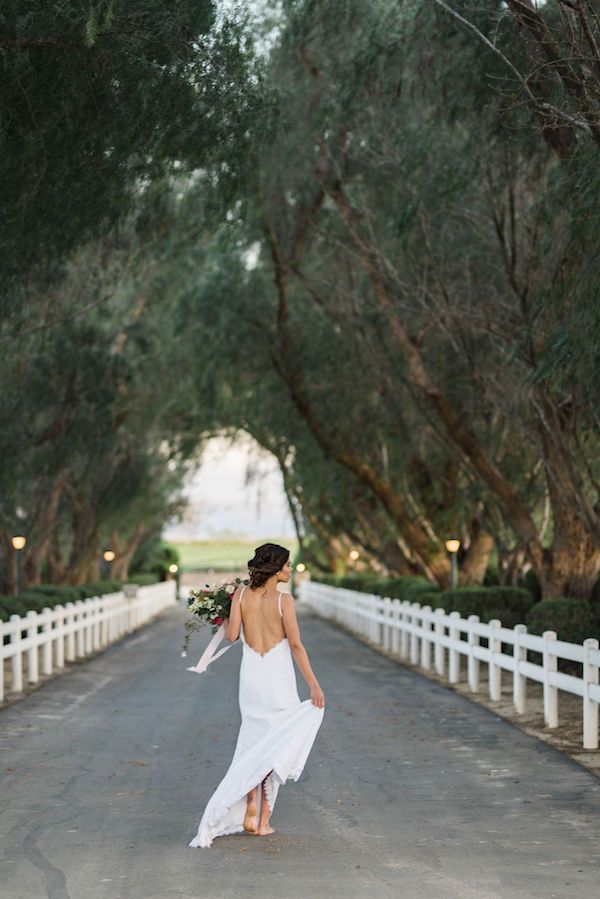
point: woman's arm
(232, 624)
(292, 631)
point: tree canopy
(371, 244)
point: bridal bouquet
(210, 605)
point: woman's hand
(317, 697)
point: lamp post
(18, 543)
(174, 572)
(298, 574)
(108, 556)
(453, 546)
(354, 555)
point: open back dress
(275, 738)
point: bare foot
(250, 818)
(264, 829)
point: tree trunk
(432, 564)
(572, 563)
(55, 561)
(475, 562)
(43, 527)
(418, 375)
(8, 567)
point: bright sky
(221, 503)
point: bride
(277, 729)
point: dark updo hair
(268, 560)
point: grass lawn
(226, 555)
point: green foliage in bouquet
(210, 605)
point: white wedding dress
(276, 735)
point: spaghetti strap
(280, 612)
(242, 593)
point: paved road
(411, 791)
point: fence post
(60, 636)
(387, 630)
(453, 654)
(106, 607)
(405, 620)
(69, 617)
(550, 692)
(96, 626)
(439, 648)
(87, 627)
(472, 661)
(1, 663)
(47, 644)
(17, 659)
(32, 653)
(395, 628)
(494, 670)
(590, 707)
(414, 640)
(519, 680)
(358, 619)
(79, 611)
(426, 642)
(379, 626)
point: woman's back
(262, 618)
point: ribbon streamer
(209, 655)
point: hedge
(143, 578)
(16, 605)
(573, 620)
(41, 596)
(397, 588)
(509, 604)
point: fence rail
(433, 638)
(76, 629)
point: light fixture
(173, 568)
(453, 546)
(354, 554)
(300, 566)
(109, 555)
(19, 542)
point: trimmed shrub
(35, 602)
(573, 620)
(491, 577)
(144, 578)
(12, 605)
(58, 593)
(405, 587)
(410, 588)
(530, 581)
(28, 601)
(509, 604)
(99, 588)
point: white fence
(435, 639)
(76, 629)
